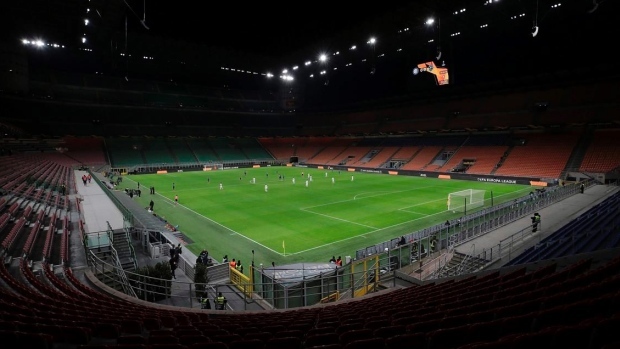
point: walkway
(552, 219)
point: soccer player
(306, 184)
(351, 178)
(293, 180)
(221, 186)
(266, 188)
(176, 199)
(333, 180)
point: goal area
(463, 200)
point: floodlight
(595, 3)
(430, 21)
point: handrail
(124, 281)
(131, 249)
(486, 220)
(120, 272)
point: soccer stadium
(424, 174)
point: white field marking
(338, 219)
(333, 242)
(370, 192)
(413, 212)
(380, 229)
(221, 225)
(424, 203)
(365, 197)
(227, 228)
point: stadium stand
(543, 155)
(602, 153)
(560, 293)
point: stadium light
(430, 21)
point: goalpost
(463, 200)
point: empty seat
(163, 340)
(209, 345)
(368, 343)
(352, 335)
(283, 343)
(134, 339)
(321, 339)
(407, 340)
(289, 333)
(246, 344)
(264, 336)
(389, 331)
(193, 339)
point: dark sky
(266, 27)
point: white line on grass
(360, 194)
(365, 197)
(424, 203)
(380, 229)
(339, 219)
(221, 225)
(227, 228)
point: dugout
(304, 284)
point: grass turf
(292, 223)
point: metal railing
(127, 215)
(119, 270)
(281, 293)
(483, 221)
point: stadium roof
(477, 40)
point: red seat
(192, 339)
(264, 336)
(246, 344)
(163, 340)
(407, 340)
(321, 339)
(283, 343)
(369, 343)
(210, 345)
(131, 340)
(353, 335)
(389, 331)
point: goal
(465, 200)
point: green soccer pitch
(291, 222)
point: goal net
(465, 200)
